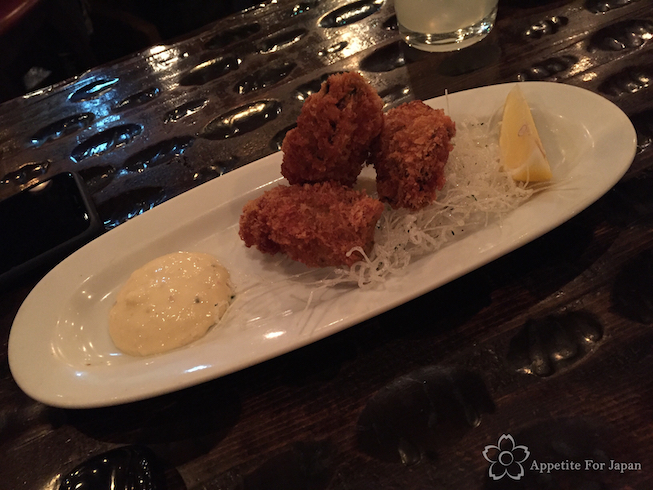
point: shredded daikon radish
(476, 193)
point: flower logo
(506, 458)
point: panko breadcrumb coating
(410, 155)
(334, 132)
(316, 224)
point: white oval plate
(60, 352)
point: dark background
(46, 41)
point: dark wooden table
(551, 344)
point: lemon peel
(521, 151)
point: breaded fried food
(316, 224)
(334, 132)
(410, 155)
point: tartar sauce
(169, 302)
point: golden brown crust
(316, 224)
(334, 132)
(410, 155)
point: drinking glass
(445, 25)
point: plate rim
(19, 343)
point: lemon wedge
(521, 151)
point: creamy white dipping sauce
(169, 302)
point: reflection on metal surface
(546, 27)
(277, 139)
(307, 89)
(580, 66)
(242, 120)
(394, 94)
(159, 154)
(93, 90)
(210, 70)
(548, 345)
(603, 6)
(260, 5)
(106, 140)
(265, 77)
(588, 77)
(97, 178)
(470, 59)
(628, 81)
(26, 173)
(162, 57)
(281, 40)
(137, 99)
(335, 48)
(355, 44)
(127, 467)
(62, 127)
(422, 413)
(391, 23)
(351, 13)
(548, 68)
(184, 110)
(216, 169)
(629, 34)
(304, 7)
(385, 59)
(232, 35)
(128, 204)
